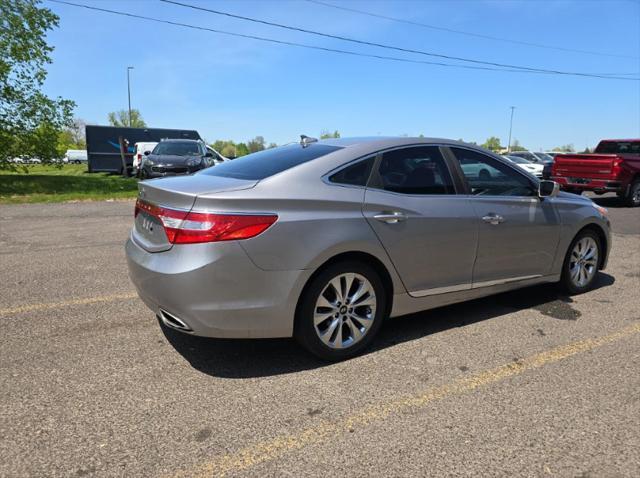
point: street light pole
(129, 68)
(510, 128)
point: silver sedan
(323, 240)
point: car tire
(633, 195)
(581, 264)
(345, 331)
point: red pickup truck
(614, 166)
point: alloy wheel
(583, 263)
(345, 310)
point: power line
(284, 42)
(471, 34)
(391, 47)
(301, 45)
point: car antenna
(307, 140)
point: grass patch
(40, 183)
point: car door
(518, 231)
(429, 232)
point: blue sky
(234, 88)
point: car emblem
(147, 224)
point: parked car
(138, 153)
(323, 240)
(76, 156)
(217, 157)
(539, 158)
(614, 166)
(171, 157)
(528, 166)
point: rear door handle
(391, 217)
(493, 218)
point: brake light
(616, 169)
(183, 227)
(139, 156)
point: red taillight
(616, 169)
(139, 156)
(182, 227)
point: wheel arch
(602, 237)
(358, 256)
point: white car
(217, 157)
(532, 168)
(140, 149)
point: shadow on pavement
(237, 358)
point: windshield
(518, 160)
(272, 161)
(544, 157)
(618, 147)
(177, 148)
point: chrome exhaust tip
(173, 321)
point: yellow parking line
(21, 309)
(276, 447)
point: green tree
(256, 144)
(30, 121)
(327, 135)
(241, 150)
(516, 146)
(121, 118)
(565, 148)
(492, 143)
(272, 145)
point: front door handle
(391, 217)
(493, 218)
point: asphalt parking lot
(527, 383)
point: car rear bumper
(216, 290)
(588, 184)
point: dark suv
(171, 157)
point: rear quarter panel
(316, 221)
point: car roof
(179, 140)
(382, 142)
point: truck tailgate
(597, 166)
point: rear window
(266, 163)
(618, 147)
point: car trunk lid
(175, 193)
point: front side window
(418, 170)
(487, 176)
(355, 175)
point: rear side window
(355, 175)
(272, 161)
(418, 170)
(618, 147)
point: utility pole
(129, 68)
(510, 128)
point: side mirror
(208, 154)
(147, 153)
(548, 189)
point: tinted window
(420, 170)
(489, 177)
(356, 174)
(266, 163)
(177, 148)
(618, 147)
